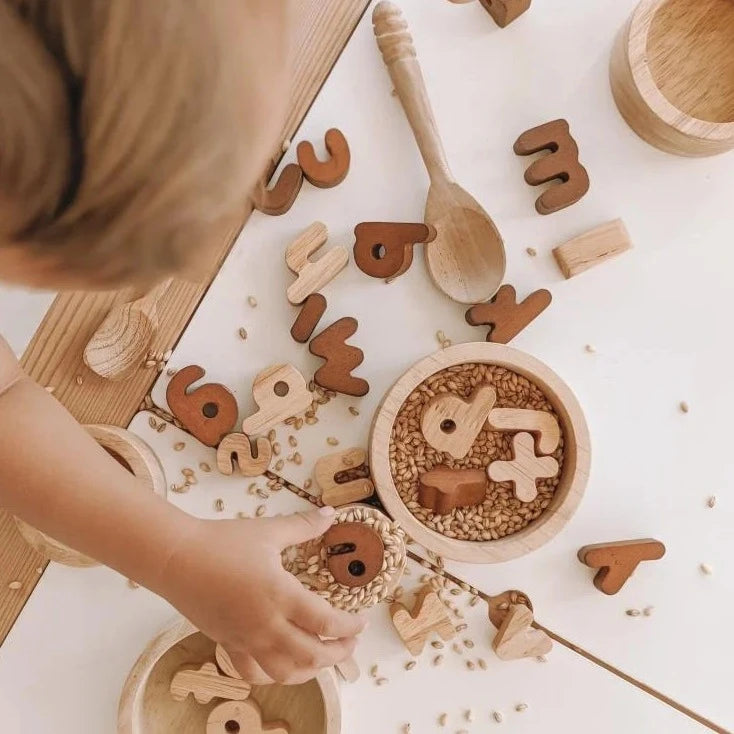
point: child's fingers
(249, 669)
(305, 652)
(317, 616)
(301, 526)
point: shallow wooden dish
(575, 468)
(146, 706)
(672, 75)
(130, 451)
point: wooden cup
(146, 705)
(672, 75)
(577, 457)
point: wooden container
(130, 451)
(672, 75)
(146, 705)
(574, 474)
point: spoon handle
(398, 53)
(149, 302)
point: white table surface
(656, 316)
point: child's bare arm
(225, 576)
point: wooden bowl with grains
(501, 527)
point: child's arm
(225, 576)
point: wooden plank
(54, 356)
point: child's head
(130, 130)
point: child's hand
(228, 580)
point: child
(128, 131)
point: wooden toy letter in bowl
(672, 75)
(503, 526)
(147, 707)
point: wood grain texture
(537, 422)
(120, 344)
(336, 493)
(466, 260)
(429, 616)
(506, 317)
(451, 424)
(146, 706)
(663, 81)
(54, 356)
(279, 392)
(516, 638)
(561, 166)
(592, 248)
(340, 358)
(236, 451)
(312, 275)
(442, 489)
(331, 172)
(206, 683)
(576, 465)
(505, 11)
(244, 717)
(618, 560)
(525, 468)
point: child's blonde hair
(130, 128)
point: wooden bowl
(672, 75)
(130, 451)
(574, 475)
(146, 705)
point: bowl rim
(131, 698)
(577, 457)
(637, 38)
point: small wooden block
(207, 684)
(505, 315)
(524, 469)
(209, 412)
(517, 639)
(341, 359)
(348, 670)
(451, 424)
(499, 605)
(242, 717)
(429, 616)
(505, 11)
(592, 248)
(312, 275)
(236, 450)
(279, 392)
(308, 318)
(538, 422)
(385, 249)
(281, 197)
(325, 174)
(334, 493)
(562, 164)
(618, 560)
(442, 489)
(355, 553)
(225, 663)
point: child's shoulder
(9, 368)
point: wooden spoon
(467, 258)
(120, 343)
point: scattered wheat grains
(469, 715)
(79, 380)
(332, 441)
(252, 301)
(521, 707)
(15, 585)
(531, 251)
(133, 584)
(590, 348)
(647, 611)
(501, 514)
(410, 665)
(373, 671)
(243, 333)
(482, 663)
(260, 511)
(684, 407)
(438, 660)
(219, 504)
(179, 446)
(442, 719)
(293, 441)
(633, 612)
(706, 570)
(497, 716)
(470, 664)
(381, 681)
(204, 467)
(353, 410)
(711, 501)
